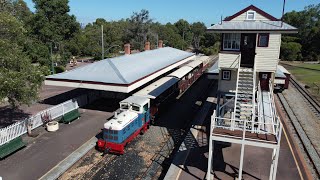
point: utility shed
(123, 73)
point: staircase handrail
(225, 104)
(273, 107)
(253, 117)
(236, 97)
(236, 60)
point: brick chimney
(147, 46)
(160, 44)
(127, 49)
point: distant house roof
(123, 70)
(252, 7)
(226, 26)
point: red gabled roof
(252, 7)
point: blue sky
(163, 11)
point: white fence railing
(19, 128)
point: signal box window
(263, 40)
(231, 41)
(226, 75)
(251, 15)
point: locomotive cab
(133, 119)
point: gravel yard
(309, 122)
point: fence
(19, 128)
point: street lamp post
(55, 47)
(52, 68)
(107, 51)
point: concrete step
(244, 95)
(245, 92)
(245, 83)
(245, 88)
(242, 104)
(248, 110)
(246, 70)
(248, 79)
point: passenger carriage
(134, 118)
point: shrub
(290, 51)
(59, 69)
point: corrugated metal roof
(125, 69)
(181, 72)
(252, 25)
(214, 69)
(155, 89)
(279, 74)
(194, 63)
(284, 70)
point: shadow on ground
(9, 116)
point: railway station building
(246, 67)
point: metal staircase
(245, 95)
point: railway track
(314, 105)
(304, 141)
(89, 173)
(151, 169)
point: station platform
(191, 160)
(45, 151)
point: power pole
(102, 44)
(284, 4)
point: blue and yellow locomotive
(134, 118)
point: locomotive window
(115, 132)
(145, 108)
(124, 106)
(136, 108)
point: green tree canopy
(19, 79)
(308, 23)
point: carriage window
(136, 108)
(115, 132)
(115, 138)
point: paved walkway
(48, 149)
(226, 158)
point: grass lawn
(308, 74)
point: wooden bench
(10, 147)
(70, 116)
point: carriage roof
(157, 88)
(194, 63)
(136, 100)
(121, 120)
